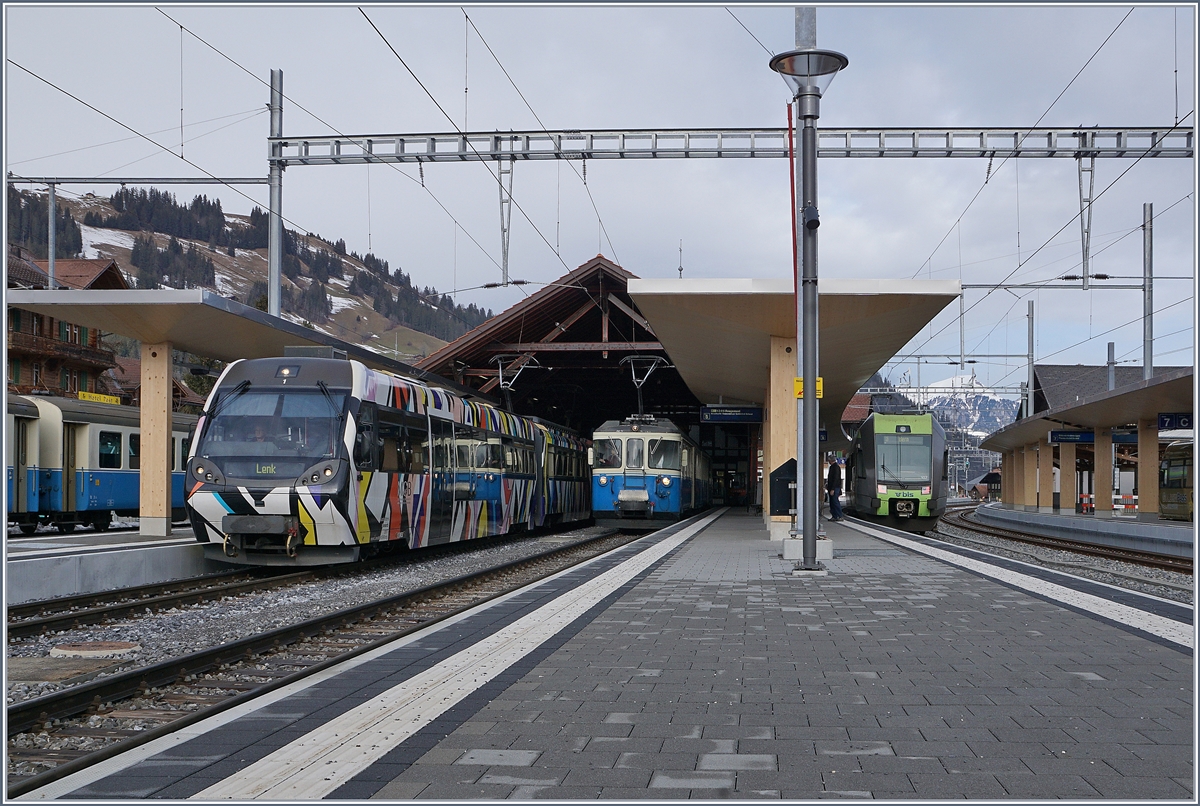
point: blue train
(75, 463)
(646, 472)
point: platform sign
(731, 414)
(798, 387)
(1180, 421)
(1059, 437)
(824, 435)
(1124, 437)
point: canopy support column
(1147, 467)
(1067, 484)
(1103, 472)
(155, 481)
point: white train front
(306, 461)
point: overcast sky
(656, 68)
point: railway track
(105, 716)
(961, 519)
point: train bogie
(896, 472)
(646, 472)
(346, 462)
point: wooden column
(1147, 468)
(1102, 484)
(1030, 465)
(1045, 476)
(1018, 477)
(779, 428)
(1068, 489)
(155, 480)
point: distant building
(125, 381)
(48, 355)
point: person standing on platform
(833, 486)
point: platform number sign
(1181, 421)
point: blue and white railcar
(310, 461)
(90, 459)
(21, 458)
(646, 472)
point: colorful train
(75, 463)
(896, 471)
(646, 472)
(308, 461)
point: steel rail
(81, 699)
(961, 520)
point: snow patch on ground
(224, 285)
(96, 235)
(337, 304)
(339, 282)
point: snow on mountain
(963, 402)
(94, 237)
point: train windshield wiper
(329, 396)
(234, 392)
(883, 466)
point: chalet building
(47, 355)
(125, 381)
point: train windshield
(271, 434)
(608, 453)
(664, 454)
(903, 457)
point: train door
(635, 472)
(20, 502)
(68, 466)
(489, 464)
(441, 504)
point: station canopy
(1169, 391)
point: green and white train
(896, 471)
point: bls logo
(264, 470)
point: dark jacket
(834, 480)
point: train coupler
(227, 545)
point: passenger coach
(646, 471)
(76, 463)
(307, 461)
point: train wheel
(101, 522)
(65, 528)
(28, 528)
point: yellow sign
(798, 384)
(111, 400)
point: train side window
(135, 451)
(366, 442)
(185, 447)
(110, 450)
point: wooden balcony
(40, 346)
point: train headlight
(200, 470)
(926, 490)
(603, 480)
(328, 472)
(666, 480)
(881, 489)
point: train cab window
(488, 456)
(633, 452)
(664, 454)
(135, 451)
(110, 450)
(608, 453)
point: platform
(50, 565)
(693, 664)
(1147, 533)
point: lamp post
(808, 71)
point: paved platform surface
(714, 672)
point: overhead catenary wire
(334, 129)
(458, 130)
(1057, 232)
(1022, 139)
(557, 149)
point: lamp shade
(809, 67)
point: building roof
(1170, 391)
(126, 377)
(568, 340)
(858, 409)
(24, 273)
(1057, 386)
(99, 273)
